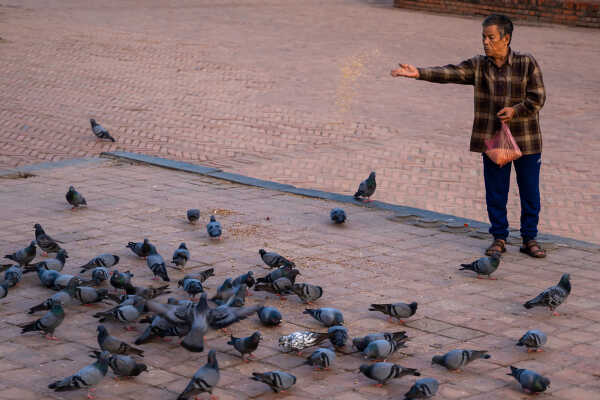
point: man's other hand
(506, 114)
(406, 70)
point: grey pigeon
(223, 316)
(247, 279)
(239, 298)
(157, 265)
(286, 271)
(121, 280)
(161, 327)
(307, 292)
(174, 313)
(193, 215)
(457, 359)
(23, 256)
(484, 265)
(298, 341)
(362, 342)
(44, 241)
(246, 345)
(194, 339)
(181, 255)
(124, 365)
(103, 260)
(48, 323)
(3, 290)
(278, 381)
(47, 276)
(396, 310)
(57, 263)
(122, 313)
(552, 297)
(116, 346)
(13, 275)
(533, 340)
(204, 380)
(150, 292)
(99, 275)
(65, 297)
(141, 249)
(384, 371)
(530, 381)
(338, 335)
(274, 260)
(191, 286)
(269, 316)
(366, 188)
(89, 295)
(422, 389)
(100, 131)
(75, 198)
(87, 376)
(202, 276)
(224, 291)
(338, 215)
(327, 316)
(382, 349)
(214, 228)
(321, 358)
(279, 286)
(63, 280)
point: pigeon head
(117, 258)
(93, 122)
(413, 306)
(256, 337)
(62, 255)
(32, 244)
(71, 188)
(261, 252)
(38, 229)
(544, 382)
(146, 241)
(212, 359)
(212, 218)
(515, 372)
(102, 331)
(104, 356)
(371, 176)
(183, 246)
(56, 308)
(324, 359)
(438, 360)
(565, 282)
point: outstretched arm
(463, 73)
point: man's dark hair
(504, 24)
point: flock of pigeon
(191, 319)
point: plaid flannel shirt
(518, 84)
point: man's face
(493, 44)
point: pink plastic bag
(502, 148)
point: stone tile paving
(370, 259)
(293, 91)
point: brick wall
(568, 12)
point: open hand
(506, 114)
(406, 70)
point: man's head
(496, 35)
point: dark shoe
(498, 246)
(533, 249)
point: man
(508, 88)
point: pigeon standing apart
(362, 342)
(321, 358)
(157, 265)
(214, 228)
(13, 275)
(326, 316)
(123, 365)
(307, 292)
(338, 335)
(191, 286)
(23, 256)
(141, 249)
(193, 215)
(48, 323)
(75, 198)
(204, 380)
(456, 359)
(100, 131)
(382, 349)
(269, 316)
(384, 371)
(194, 339)
(533, 340)
(530, 380)
(274, 260)
(422, 389)
(484, 265)
(44, 241)
(181, 255)
(105, 260)
(366, 188)
(246, 345)
(278, 381)
(57, 263)
(116, 346)
(298, 341)
(338, 215)
(87, 376)
(554, 296)
(396, 310)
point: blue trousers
(497, 182)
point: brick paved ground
(297, 92)
(370, 259)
